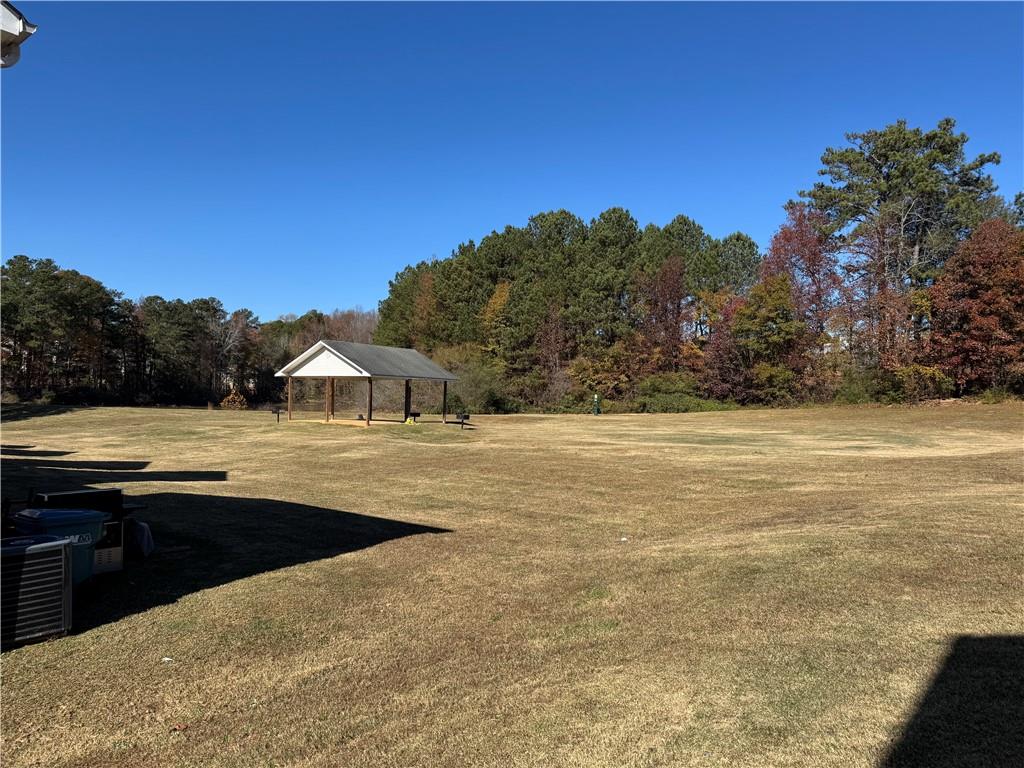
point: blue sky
(283, 157)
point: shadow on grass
(29, 450)
(24, 468)
(22, 411)
(204, 541)
(973, 712)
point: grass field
(819, 587)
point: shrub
(774, 383)
(678, 404)
(922, 382)
(576, 401)
(616, 406)
(668, 384)
(481, 387)
(606, 373)
(873, 385)
(85, 395)
(235, 401)
(855, 388)
(994, 395)
(672, 393)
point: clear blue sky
(287, 156)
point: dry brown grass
(762, 588)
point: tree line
(69, 339)
(898, 275)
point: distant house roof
(351, 360)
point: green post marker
(597, 405)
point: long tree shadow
(204, 541)
(24, 470)
(973, 712)
(29, 450)
(22, 411)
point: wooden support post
(333, 393)
(369, 401)
(444, 402)
(289, 398)
(327, 399)
(330, 397)
(408, 399)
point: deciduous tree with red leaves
(803, 251)
(978, 310)
(725, 373)
(666, 313)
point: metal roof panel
(390, 362)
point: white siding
(326, 363)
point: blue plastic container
(84, 527)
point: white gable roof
(325, 362)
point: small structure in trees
(333, 360)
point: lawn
(813, 587)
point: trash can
(36, 588)
(110, 547)
(84, 527)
